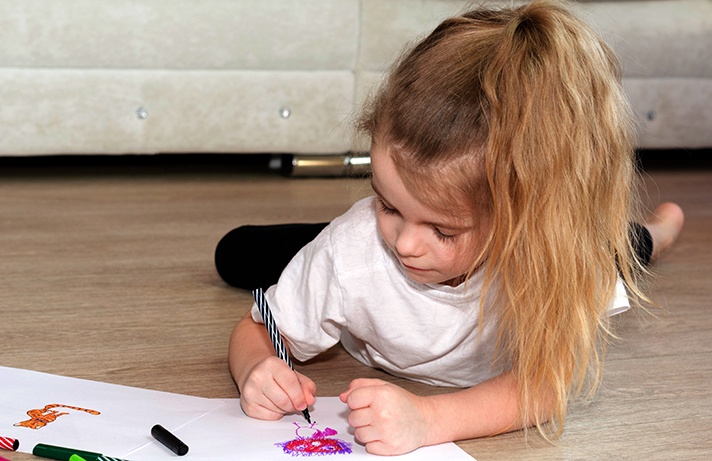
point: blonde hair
(521, 111)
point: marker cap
(171, 442)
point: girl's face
(432, 246)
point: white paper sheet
(126, 414)
(227, 434)
(213, 429)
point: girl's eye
(442, 236)
(385, 209)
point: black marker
(172, 442)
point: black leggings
(252, 257)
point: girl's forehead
(389, 186)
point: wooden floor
(107, 274)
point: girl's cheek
(385, 229)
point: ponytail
(559, 165)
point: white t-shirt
(346, 285)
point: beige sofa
(249, 76)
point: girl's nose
(409, 242)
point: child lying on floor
(496, 248)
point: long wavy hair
(517, 115)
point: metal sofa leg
(351, 164)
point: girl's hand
(388, 419)
(272, 389)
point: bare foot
(664, 226)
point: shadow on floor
(85, 165)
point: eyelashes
(393, 212)
(387, 210)
(443, 237)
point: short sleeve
(306, 302)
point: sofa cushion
(78, 111)
(180, 34)
(657, 39)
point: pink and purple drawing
(316, 444)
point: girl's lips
(414, 269)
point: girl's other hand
(388, 419)
(273, 389)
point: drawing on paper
(40, 418)
(311, 441)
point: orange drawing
(40, 418)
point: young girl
(489, 259)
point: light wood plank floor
(109, 276)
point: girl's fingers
(379, 448)
(278, 395)
(309, 389)
(260, 411)
(273, 387)
(358, 384)
(292, 396)
(360, 418)
(366, 435)
(272, 402)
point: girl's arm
(391, 420)
(268, 387)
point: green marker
(63, 454)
